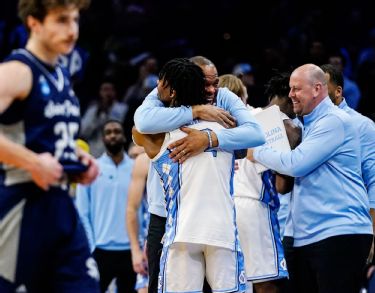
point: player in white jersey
(257, 204)
(201, 237)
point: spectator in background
(102, 207)
(148, 84)
(245, 72)
(104, 108)
(351, 90)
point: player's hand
(139, 262)
(47, 171)
(194, 143)
(213, 113)
(92, 171)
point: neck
(42, 52)
(116, 158)
(338, 100)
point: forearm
(132, 226)
(306, 156)
(17, 155)
(247, 135)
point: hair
(112, 121)
(40, 8)
(201, 61)
(335, 75)
(233, 83)
(278, 86)
(186, 79)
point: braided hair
(186, 79)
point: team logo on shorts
(242, 277)
(283, 264)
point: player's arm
(150, 142)
(16, 84)
(153, 117)
(135, 193)
(247, 134)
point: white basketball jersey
(200, 205)
(247, 181)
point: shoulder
(16, 67)
(17, 78)
(224, 93)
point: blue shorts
(44, 246)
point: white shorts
(142, 282)
(187, 264)
(260, 240)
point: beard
(115, 148)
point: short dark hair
(186, 79)
(335, 75)
(112, 121)
(40, 8)
(278, 85)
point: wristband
(209, 138)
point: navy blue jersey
(43, 246)
(47, 120)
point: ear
(172, 93)
(338, 91)
(33, 24)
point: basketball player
(196, 190)
(43, 247)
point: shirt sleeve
(153, 117)
(83, 206)
(328, 132)
(248, 132)
(368, 159)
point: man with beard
(102, 207)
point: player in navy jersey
(43, 247)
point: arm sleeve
(83, 207)
(152, 117)
(248, 132)
(308, 155)
(368, 159)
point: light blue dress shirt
(366, 130)
(102, 204)
(329, 197)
